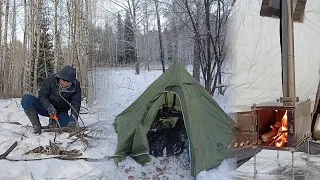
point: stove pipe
(288, 69)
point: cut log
(278, 124)
(267, 136)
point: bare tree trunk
(15, 71)
(13, 35)
(70, 30)
(6, 60)
(32, 40)
(146, 33)
(208, 62)
(1, 59)
(134, 21)
(35, 83)
(160, 36)
(25, 83)
(197, 53)
(74, 30)
(56, 46)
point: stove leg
(308, 146)
(255, 164)
(292, 154)
(278, 158)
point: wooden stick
(4, 155)
(60, 130)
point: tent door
(184, 120)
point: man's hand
(52, 111)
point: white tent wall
(256, 49)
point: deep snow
(111, 91)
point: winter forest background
(37, 37)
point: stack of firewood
(270, 138)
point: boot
(34, 118)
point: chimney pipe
(287, 58)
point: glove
(52, 111)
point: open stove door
(245, 135)
(315, 126)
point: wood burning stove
(281, 127)
(271, 125)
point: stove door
(245, 135)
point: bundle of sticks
(270, 138)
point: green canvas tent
(208, 127)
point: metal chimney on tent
(293, 126)
(284, 124)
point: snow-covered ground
(111, 91)
(270, 168)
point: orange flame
(282, 136)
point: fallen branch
(79, 138)
(53, 149)
(4, 155)
(88, 172)
(62, 158)
(12, 122)
(61, 130)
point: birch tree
(160, 36)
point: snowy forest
(38, 37)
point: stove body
(253, 124)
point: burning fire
(278, 136)
(282, 136)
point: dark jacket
(49, 95)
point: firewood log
(265, 137)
